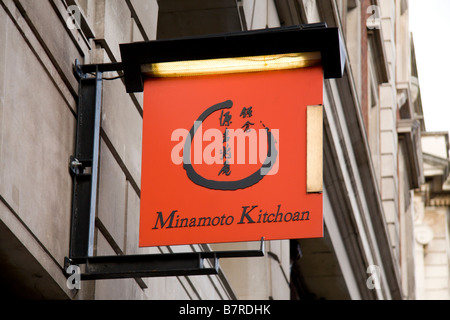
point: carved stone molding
(423, 234)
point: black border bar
(302, 38)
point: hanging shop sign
(232, 147)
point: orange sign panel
(224, 158)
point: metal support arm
(156, 265)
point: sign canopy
(232, 134)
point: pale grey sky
(430, 25)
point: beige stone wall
(436, 255)
(432, 252)
(37, 126)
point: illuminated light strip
(314, 149)
(232, 65)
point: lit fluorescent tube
(232, 65)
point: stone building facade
(431, 221)
(373, 160)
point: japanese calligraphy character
(225, 119)
(226, 152)
(247, 125)
(226, 170)
(226, 137)
(247, 112)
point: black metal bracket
(83, 70)
(80, 168)
(156, 265)
(83, 166)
